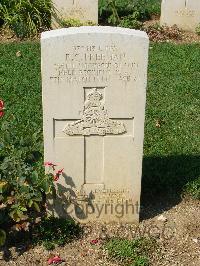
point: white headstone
(183, 13)
(82, 10)
(94, 91)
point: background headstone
(83, 10)
(94, 91)
(184, 13)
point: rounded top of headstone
(93, 29)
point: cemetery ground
(169, 232)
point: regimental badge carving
(95, 119)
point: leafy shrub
(131, 251)
(23, 183)
(26, 18)
(108, 11)
(113, 11)
(130, 22)
(23, 190)
(55, 231)
(153, 6)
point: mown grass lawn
(172, 133)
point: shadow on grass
(163, 182)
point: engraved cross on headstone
(94, 125)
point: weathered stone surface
(84, 11)
(183, 13)
(94, 90)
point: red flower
(57, 175)
(94, 241)
(55, 260)
(50, 165)
(1, 108)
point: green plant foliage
(198, 30)
(19, 181)
(48, 245)
(131, 21)
(75, 23)
(55, 231)
(141, 261)
(2, 237)
(153, 6)
(23, 183)
(26, 18)
(135, 252)
(113, 11)
(193, 189)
